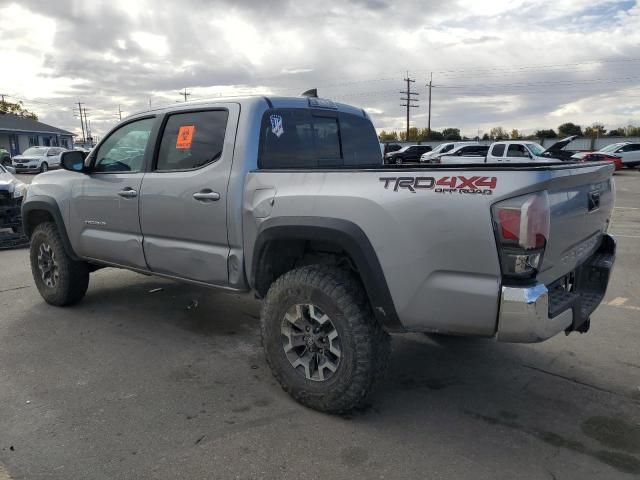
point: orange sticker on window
(185, 136)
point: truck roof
(267, 101)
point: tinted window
(498, 150)
(123, 150)
(359, 141)
(516, 151)
(299, 138)
(192, 140)
(447, 148)
(424, 149)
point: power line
(409, 99)
(185, 94)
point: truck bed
(432, 230)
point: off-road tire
(73, 276)
(365, 345)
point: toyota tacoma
(289, 198)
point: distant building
(18, 133)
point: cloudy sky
(523, 64)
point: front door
(104, 205)
(183, 207)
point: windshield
(535, 149)
(611, 148)
(37, 151)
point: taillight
(522, 230)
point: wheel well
(279, 256)
(35, 218)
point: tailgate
(581, 202)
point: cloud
(485, 57)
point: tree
(486, 137)
(515, 134)
(451, 133)
(616, 132)
(498, 133)
(388, 136)
(596, 130)
(17, 109)
(546, 133)
(413, 135)
(632, 131)
(567, 129)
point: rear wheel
(321, 340)
(44, 167)
(60, 279)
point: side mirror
(73, 161)
(10, 169)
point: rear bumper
(538, 312)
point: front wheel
(321, 340)
(60, 280)
(44, 167)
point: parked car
(412, 153)
(390, 147)
(473, 153)
(515, 151)
(628, 151)
(5, 158)
(599, 157)
(442, 149)
(38, 159)
(12, 192)
(342, 253)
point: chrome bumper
(525, 315)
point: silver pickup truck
(288, 198)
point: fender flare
(49, 205)
(348, 236)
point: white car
(519, 151)
(628, 151)
(443, 148)
(38, 159)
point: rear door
(183, 206)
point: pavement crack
(14, 288)
(576, 381)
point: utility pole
(119, 112)
(86, 123)
(430, 85)
(409, 99)
(81, 121)
(185, 94)
(149, 103)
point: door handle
(206, 196)
(128, 193)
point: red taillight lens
(522, 231)
(509, 220)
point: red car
(599, 157)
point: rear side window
(192, 140)
(498, 150)
(302, 138)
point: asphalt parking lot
(136, 382)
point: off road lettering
(476, 185)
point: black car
(391, 147)
(412, 153)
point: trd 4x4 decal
(463, 185)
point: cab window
(123, 151)
(497, 150)
(192, 140)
